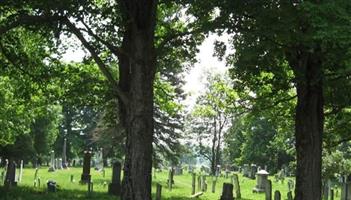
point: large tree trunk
(137, 71)
(309, 127)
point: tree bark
(137, 71)
(309, 121)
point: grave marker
(227, 192)
(10, 178)
(262, 177)
(114, 188)
(193, 182)
(235, 180)
(268, 190)
(52, 162)
(158, 191)
(277, 195)
(86, 177)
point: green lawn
(71, 191)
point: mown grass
(75, 191)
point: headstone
(52, 162)
(90, 188)
(20, 172)
(245, 170)
(10, 179)
(253, 171)
(74, 163)
(72, 178)
(277, 195)
(290, 185)
(193, 182)
(51, 186)
(289, 195)
(203, 183)
(268, 190)
(99, 160)
(64, 154)
(262, 177)
(59, 162)
(199, 187)
(114, 188)
(170, 180)
(86, 177)
(346, 188)
(227, 192)
(158, 191)
(214, 181)
(236, 185)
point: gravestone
(346, 188)
(178, 171)
(72, 178)
(64, 154)
(203, 183)
(291, 185)
(245, 170)
(99, 160)
(277, 195)
(253, 171)
(10, 178)
(268, 190)
(170, 180)
(20, 172)
(114, 188)
(60, 163)
(158, 191)
(52, 162)
(193, 182)
(289, 195)
(199, 187)
(86, 177)
(262, 177)
(214, 181)
(227, 192)
(235, 180)
(51, 186)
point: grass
(71, 191)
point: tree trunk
(309, 121)
(137, 71)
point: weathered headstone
(52, 162)
(86, 177)
(114, 188)
(64, 154)
(268, 190)
(203, 183)
(193, 182)
(253, 171)
(10, 179)
(51, 186)
(227, 192)
(235, 180)
(245, 170)
(170, 180)
(290, 185)
(277, 195)
(199, 187)
(20, 172)
(158, 191)
(99, 161)
(346, 188)
(262, 177)
(214, 181)
(289, 195)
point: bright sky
(194, 79)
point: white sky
(194, 79)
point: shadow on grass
(29, 193)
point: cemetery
(175, 100)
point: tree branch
(121, 95)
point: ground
(72, 191)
